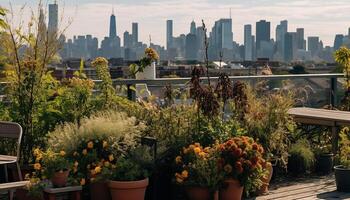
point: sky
(323, 18)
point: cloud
(316, 16)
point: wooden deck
(308, 189)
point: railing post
(333, 91)
(131, 93)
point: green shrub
(301, 157)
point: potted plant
(52, 165)
(129, 177)
(197, 169)
(243, 167)
(146, 68)
(342, 172)
(33, 190)
(266, 178)
(301, 158)
(324, 159)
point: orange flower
(239, 167)
(82, 182)
(90, 145)
(105, 144)
(37, 166)
(178, 159)
(184, 174)
(84, 152)
(197, 150)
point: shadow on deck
(306, 189)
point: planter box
(342, 178)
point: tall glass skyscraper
(135, 33)
(53, 18)
(248, 43)
(263, 32)
(169, 34)
(112, 26)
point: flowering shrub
(96, 144)
(48, 162)
(198, 166)
(241, 159)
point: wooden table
(322, 117)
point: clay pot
(59, 179)
(128, 190)
(201, 193)
(100, 191)
(266, 180)
(232, 190)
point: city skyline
(316, 16)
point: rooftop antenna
(55, 2)
(230, 14)
(113, 10)
(150, 40)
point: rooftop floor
(306, 189)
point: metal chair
(13, 131)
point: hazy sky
(323, 18)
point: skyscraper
(169, 34)
(53, 18)
(313, 45)
(222, 35)
(191, 47)
(300, 39)
(281, 31)
(193, 28)
(338, 41)
(290, 46)
(112, 26)
(135, 33)
(248, 43)
(263, 33)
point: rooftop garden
(218, 139)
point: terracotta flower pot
(99, 191)
(232, 191)
(201, 193)
(59, 179)
(128, 190)
(266, 181)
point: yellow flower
(179, 180)
(197, 150)
(185, 150)
(37, 166)
(106, 164)
(82, 181)
(105, 144)
(90, 145)
(192, 146)
(76, 164)
(111, 157)
(84, 152)
(197, 144)
(38, 157)
(184, 173)
(228, 168)
(98, 169)
(178, 159)
(62, 153)
(36, 152)
(202, 154)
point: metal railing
(131, 94)
(333, 78)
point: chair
(13, 131)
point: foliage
(345, 147)
(48, 162)
(106, 86)
(96, 143)
(302, 156)
(267, 121)
(298, 69)
(35, 186)
(150, 56)
(342, 57)
(28, 52)
(242, 159)
(136, 165)
(198, 166)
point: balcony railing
(332, 79)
